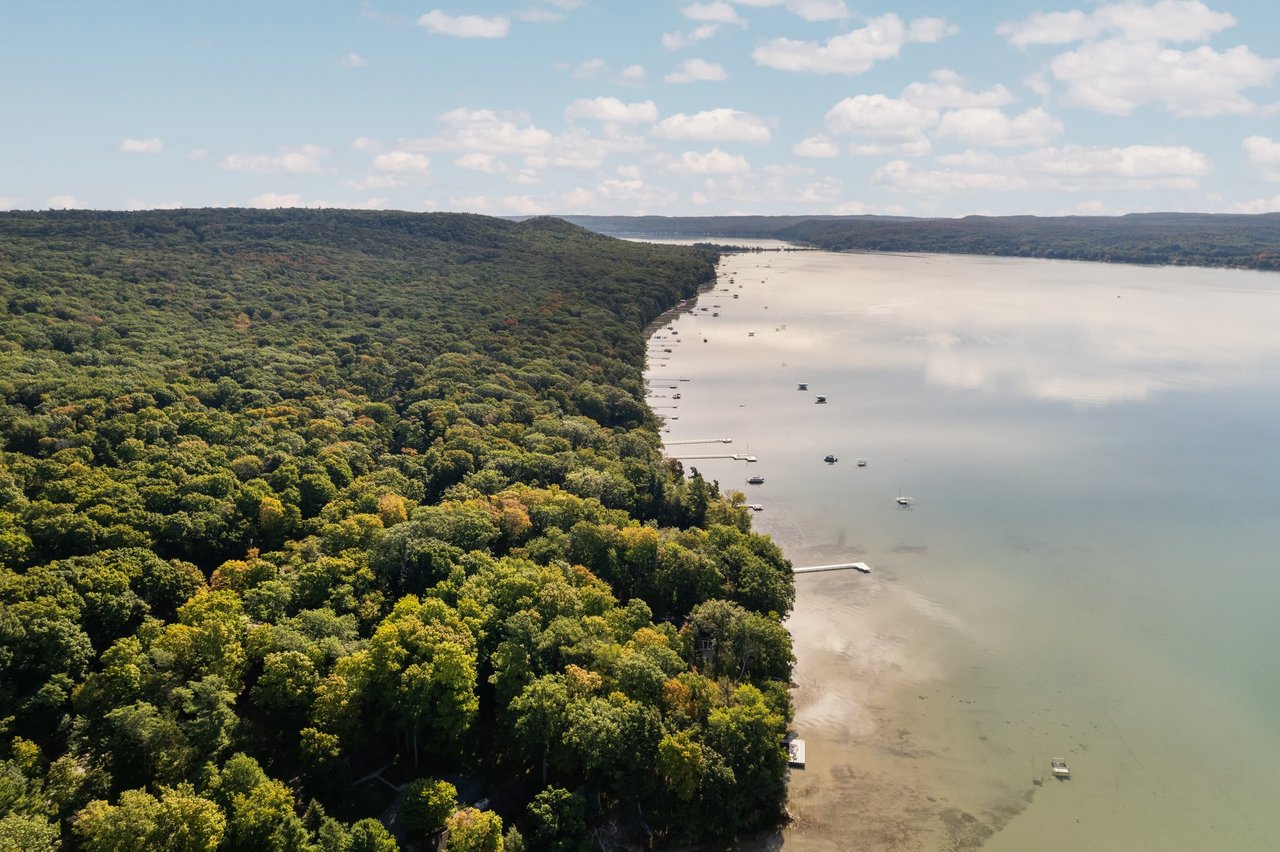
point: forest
(350, 530)
(1186, 239)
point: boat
(821, 400)
(904, 501)
(751, 334)
(862, 462)
(755, 480)
(802, 386)
(675, 396)
(830, 459)
(756, 507)
(1060, 768)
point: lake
(1088, 568)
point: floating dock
(700, 440)
(814, 569)
(734, 456)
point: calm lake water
(1089, 569)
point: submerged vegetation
(300, 506)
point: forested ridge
(291, 497)
(1190, 239)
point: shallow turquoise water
(1091, 556)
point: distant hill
(1189, 239)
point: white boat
(802, 386)
(862, 462)
(904, 501)
(756, 507)
(821, 400)
(755, 480)
(1060, 768)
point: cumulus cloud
(305, 160)
(590, 69)
(632, 75)
(990, 126)
(855, 51)
(483, 163)
(1117, 77)
(402, 163)
(809, 10)
(465, 26)
(1166, 20)
(593, 69)
(613, 110)
(1258, 205)
(946, 90)
(152, 145)
(715, 125)
(882, 125)
(718, 12)
(485, 131)
(697, 71)
(354, 60)
(1125, 59)
(64, 202)
(1068, 168)
(714, 162)
(275, 199)
(552, 11)
(817, 147)
(1263, 154)
(680, 39)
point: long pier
(814, 569)
(701, 441)
(734, 456)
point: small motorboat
(821, 400)
(755, 480)
(756, 507)
(1060, 768)
(862, 462)
(802, 386)
(830, 459)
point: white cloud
(152, 145)
(1125, 60)
(465, 26)
(8, 202)
(817, 147)
(65, 202)
(990, 126)
(714, 162)
(483, 163)
(383, 181)
(274, 199)
(885, 125)
(715, 125)
(354, 60)
(523, 205)
(1069, 168)
(135, 204)
(946, 90)
(1258, 205)
(297, 161)
(1117, 77)
(809, 10)
(402, 163)
(364, 143)
(697, 71)
(590, 69)
(485, 131)
(855, 51)
(613, 110)
(632, 75)
(554, 10)
(197, 154)
(851, 208)
(1167, 20)
(717, 12)
(679, 39)
(1264, 154)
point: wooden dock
(815, 569)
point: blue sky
(647, 106)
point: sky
(628, 107)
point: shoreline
(880, 773)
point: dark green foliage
(286, 496)
(1188, 239)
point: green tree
(557, 821)
(427, 804)
(471, 830)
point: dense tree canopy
(291, 497)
